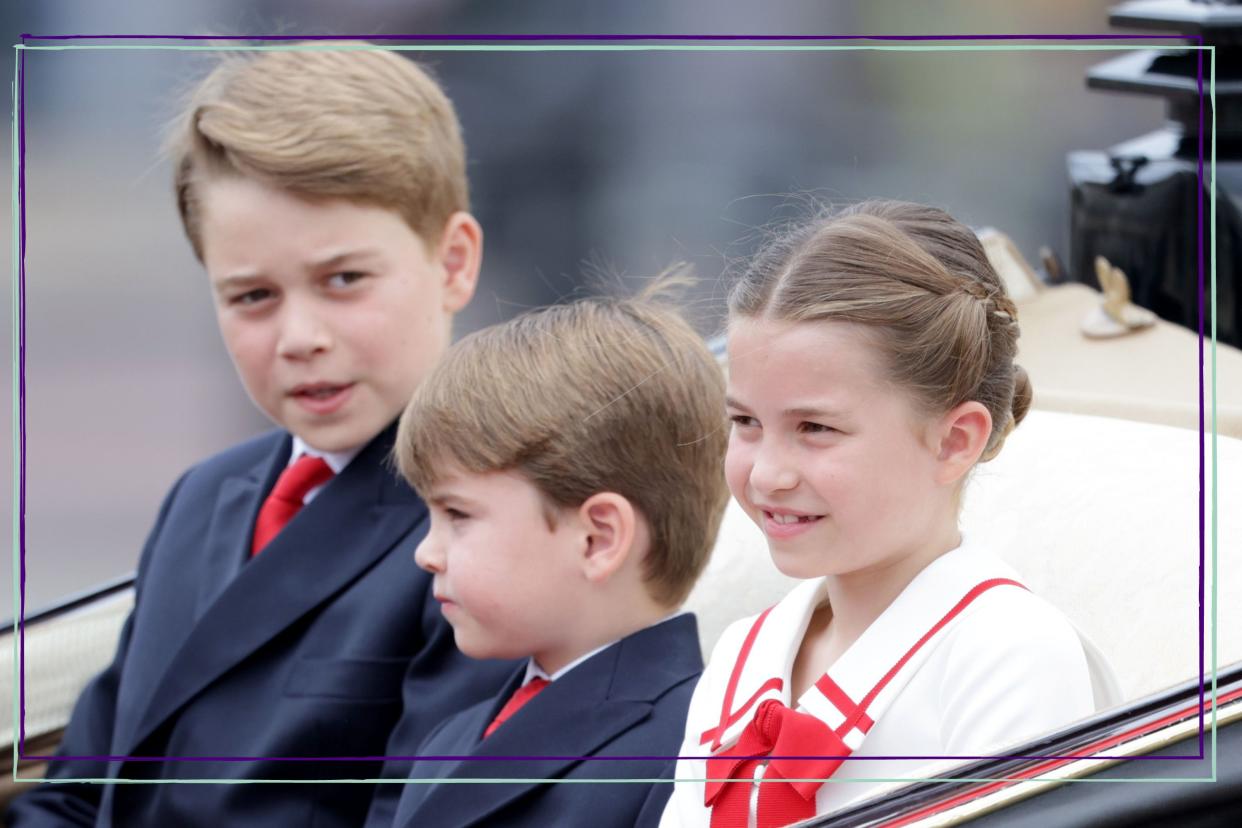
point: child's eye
(742, 420)
(455, 514)
(815, 428)
(346, 278)
(250, 297)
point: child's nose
(772, 472)
(428, 556)
(303, 332)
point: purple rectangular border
(21, 186)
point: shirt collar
(336, 460)
(533, 670)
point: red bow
(777, 730)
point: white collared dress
(965, 662)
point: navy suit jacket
(628, 700)
(301, 652)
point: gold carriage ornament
(1116, 315)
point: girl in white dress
(870, 368)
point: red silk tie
(775, 729)
(520, 697)
(286, 498)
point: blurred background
(581, 162)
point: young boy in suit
(572, 461)
(278, 608)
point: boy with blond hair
(278, 612)
(572, 459)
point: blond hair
(360, 124)
(599, 395)
(921, 281)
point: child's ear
(460, 255)
(963, 435)
(610, 523)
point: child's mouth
(785, 526)
(322, 398)
(787, 519)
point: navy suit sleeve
(89, 733)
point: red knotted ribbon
(778, 731)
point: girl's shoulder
(1015, 667)
(1006, 619)
(1004, 622)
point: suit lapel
(573, 718)
(459, 737)
(227, 547)
(350, 525)
(224, 549)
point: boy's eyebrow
(438, 497)
(237, 280)
(246, 278)
(335, 259)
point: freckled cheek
(830, 486)
(901, 471)
(883, 492)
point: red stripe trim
(1052, 764)
(713, 733)
(841, 700)
(855, 714)
(727, 705)
(966, 601)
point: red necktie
(286, 498)
(520, 697)
(775, 730)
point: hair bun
(1022, 394)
